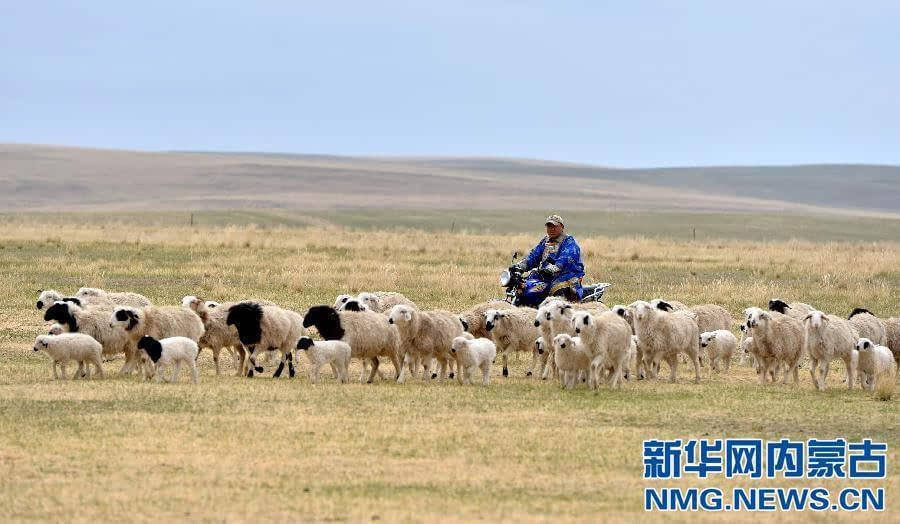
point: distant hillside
(63, 178)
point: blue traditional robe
(566, 255)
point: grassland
(236, 449)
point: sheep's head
(661, 304)
(64, 313)
(47, 298)
(151, 347)
(305, 343)
(42, 342)
(354, 305)
(459, 344)
(370, 299)
(539, 345)
(326, 320)
(126, 317)
(462, 320)
(90, 292)
(560, 310)
(776, 304)
(759, 318)
(816, 320)
(562, 341)
(400, 314)
(581, 321)
(642, 310)
(55, 329)
(490, 318)
(190, 302)
(864, 344)
(707, 338)
(339, 301)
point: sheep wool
(172, 351)
(67, 347)
(797, 310)
(829, 337)
(868, 325)
(93, 321)
(473, 319)
(472, 355)
(384, 301)
(50, 296)
(712, 317)
(336, 353)
(892, 328)
(217, 334)
(512, 330)
(129, 299)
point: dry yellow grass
(235, 449)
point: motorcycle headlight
(505, 277)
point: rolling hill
(37, 178)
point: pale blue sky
(627, 83)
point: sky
(620, 83)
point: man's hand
(549, 272)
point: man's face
(553, 230)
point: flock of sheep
(570, 342)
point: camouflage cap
(556, 220)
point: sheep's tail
(885, 383)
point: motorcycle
(523, 288)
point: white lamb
(471, 355)
(335, 353)
(67, 347)
(720, 346)
(876, 368)
(167, 352)
(829, 337)
(571, 359)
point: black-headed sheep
(157, 321)
(172, 351)
(266, 328)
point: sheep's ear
(712, 337)
(807, 317)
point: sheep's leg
(175, 371)
(99, 365)
(375, 364)
(426, 366)
(545, 364)
(534, 359)
(193, 368)
(485, 374)
(673, 367)
(505, 364)
(848, 364)
(407, 359)
(395, 360)
(215, 352)
(314, 373)
(814, 372)
(62, 369)
(615, 375)
(290, 361)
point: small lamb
(876, 368)
(333, 352)
(720, 345)
(168, 351)
(67, 347)
(472, 354)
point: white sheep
(157, 321)
(471, 355)
(266, 327)
(663, 335)
(171, 351)
(67, 347)
(868, 326)
(829, 337)
(48, 297)
(720, 346)
(426, 335)
(546, 364)
(876, 368)
(369, 335)
(384, 301)
(92, 321)
(559, 314)
(778, 340)
(607, 339)
(335, 353)
(126, 298)
(571, 359)
(513, 330)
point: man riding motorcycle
(555, 264)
